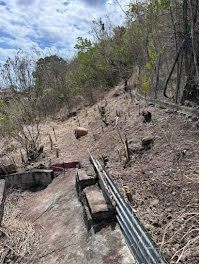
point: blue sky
(51, 26)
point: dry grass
(18, 237)
(185, 238)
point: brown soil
(163, 181)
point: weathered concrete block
(2, 198)
(85, 179)
(87, 166)
(100, 209)
(34, 179)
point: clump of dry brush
(182, 235)
(17, 236)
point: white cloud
(50, 23)
(5, 53)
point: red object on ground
(8, 169)
(11, 168)
(61, 166)
(80, 132)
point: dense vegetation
(159, 40)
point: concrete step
(98, 210)
(84, 180)
(99, 207)
(87, 166)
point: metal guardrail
(142, 247)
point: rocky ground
(163, 180)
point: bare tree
(19, 113)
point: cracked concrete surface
(64, 238)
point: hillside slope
(163, 180)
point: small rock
(170, 111)
(194, 119)
(162, 107)
(189, 103)
(72, 114)
(154, 202)
(156, 224)
(169, 217)
(135, 148)
(116, 94)
(80, 132)
(147, 116)
(147, 142)
(149, 226)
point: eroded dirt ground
(164, 181)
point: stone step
(87, 166)
(83, 179)
(100, 208)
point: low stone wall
(35, 179)
(2, 198)
(98, 210)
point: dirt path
(57, 214)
